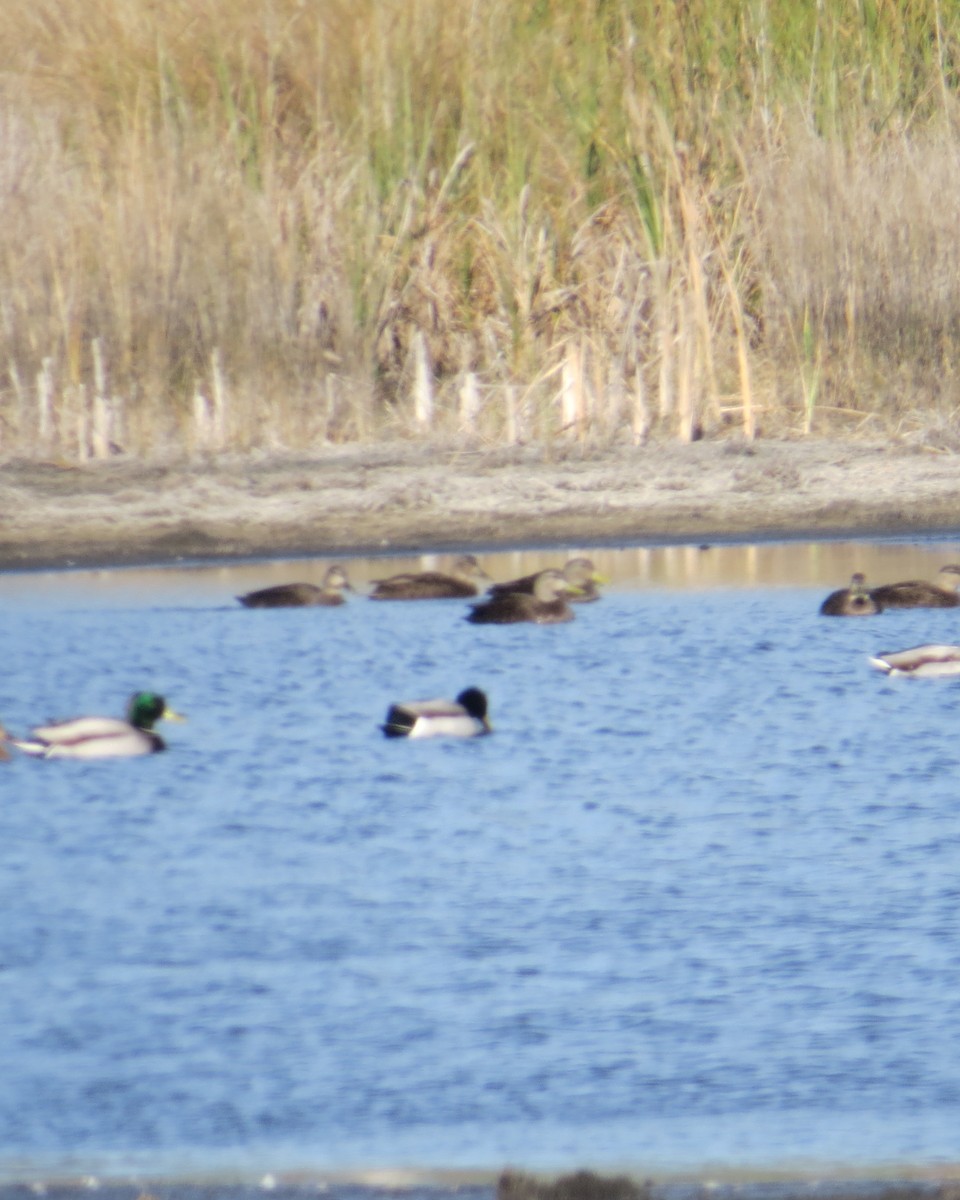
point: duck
(302, 595)
(546, 606)
(464, 580)
(579, 571)
(921, 593)
(102, 737)
(464, 717)
(854, 601)
(920, 662)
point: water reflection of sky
(765, 564)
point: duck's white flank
(932, 661)
(464, 717)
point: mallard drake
(578, 571)
(464, 717)
(464, 580)
(921, 593)
(301, 595)
(546, 606)
(853, 601)
(921, 662)
(102, 737)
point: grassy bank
(237, 223)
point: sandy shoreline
(403, 497)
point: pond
(694, 905)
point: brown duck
(547, 605)
(921, 593)
(580, 572)
(854, 601)
(301, 595)
(464, 580)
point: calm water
(696, 902)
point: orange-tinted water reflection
(783, 564)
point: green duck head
(146, 708)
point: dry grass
(267, 223)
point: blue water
(695, 903)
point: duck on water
(464, 579)
(302, 595)
(580, 572)
(546, 606)
(102, 737)
(464, 717)
(854, 601)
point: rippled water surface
(697, 901)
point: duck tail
(398, 723)
(881, 664)
(34, 748)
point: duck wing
(425, 718)
(81, 729)
(523, 585)
(429, 585)
(283, 595)
(914, 593)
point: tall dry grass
(238, 224)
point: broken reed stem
(422, 383)
(511, 427)
(571, 391)
(45, 406)
(640, 410)
(469, 403)
(743, 358)
(100, 433)
(21, 397)
(219, 401)
(686, 367)
(209, 423)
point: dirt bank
(405, 497)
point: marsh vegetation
(273, 223)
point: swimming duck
(854, 601)
(546, 606)
(920, 593)
(463, 580)
(301, 595)
(464, 717)
(920, 662)
(102, 737)
(579, 571)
